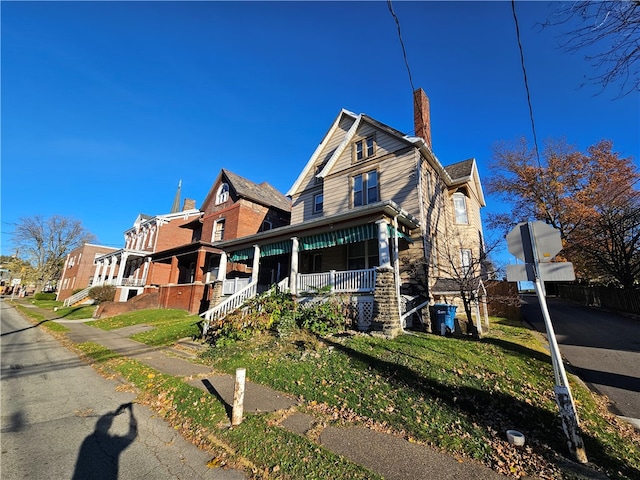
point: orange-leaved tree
(590, 197)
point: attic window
(266, 225)
(223, 194)
(364, 148)
(318, 180)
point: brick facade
(79, 269)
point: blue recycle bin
(445, 316)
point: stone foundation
(386, 317)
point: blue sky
(107, 105)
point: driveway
(602, 347)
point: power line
(404, 52)
(526, 83)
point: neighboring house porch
(125, 269)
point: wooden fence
(503, 299)
(621, 300)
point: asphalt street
(602, 348)
(60, 420)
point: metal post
(564, 399)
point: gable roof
(466, 171)
(358, 119)
(262, 193)
(311, 162)
(461, 169)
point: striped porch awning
(344, 236)
(401, 234)
(270, 250)
(239, 255)
(278, 248)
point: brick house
(79, 269)
(234, 207)
(374, 216)
(128, 268)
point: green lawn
(169, 325)
(456, 394)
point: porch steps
(76, 298)
(187, 348)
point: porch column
(383, 244)
(256, 263)
(200, 266)
(113, 261)
(293, 276)
(123, 264)
(173, 274)
(145, 272)
(222, 267)
(96, 274)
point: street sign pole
(564, 399)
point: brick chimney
(188, 204)
(421, 116)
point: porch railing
(125, 282)
(228, 305)
(229, 287)
(77, 297)
(348, 281)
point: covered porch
(356, 256)
(125, 269)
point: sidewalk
(391, 457)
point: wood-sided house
(374, 215)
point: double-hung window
(465, 260)
(365, 188)
(218, 230)
(460, 208)
(318, 201)
(364, 148)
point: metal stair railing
(77, 297)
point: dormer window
(266, 225)
(223, 194)
(364, 148)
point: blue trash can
(445, 316)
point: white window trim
(460, 199)
(220, 221)
(223, 193)
(365, 188)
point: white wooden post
(383, 244)
(256, 263)
(293, 276)
(478, 319)
(123, 264)
(238, 397)
(222, 267)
